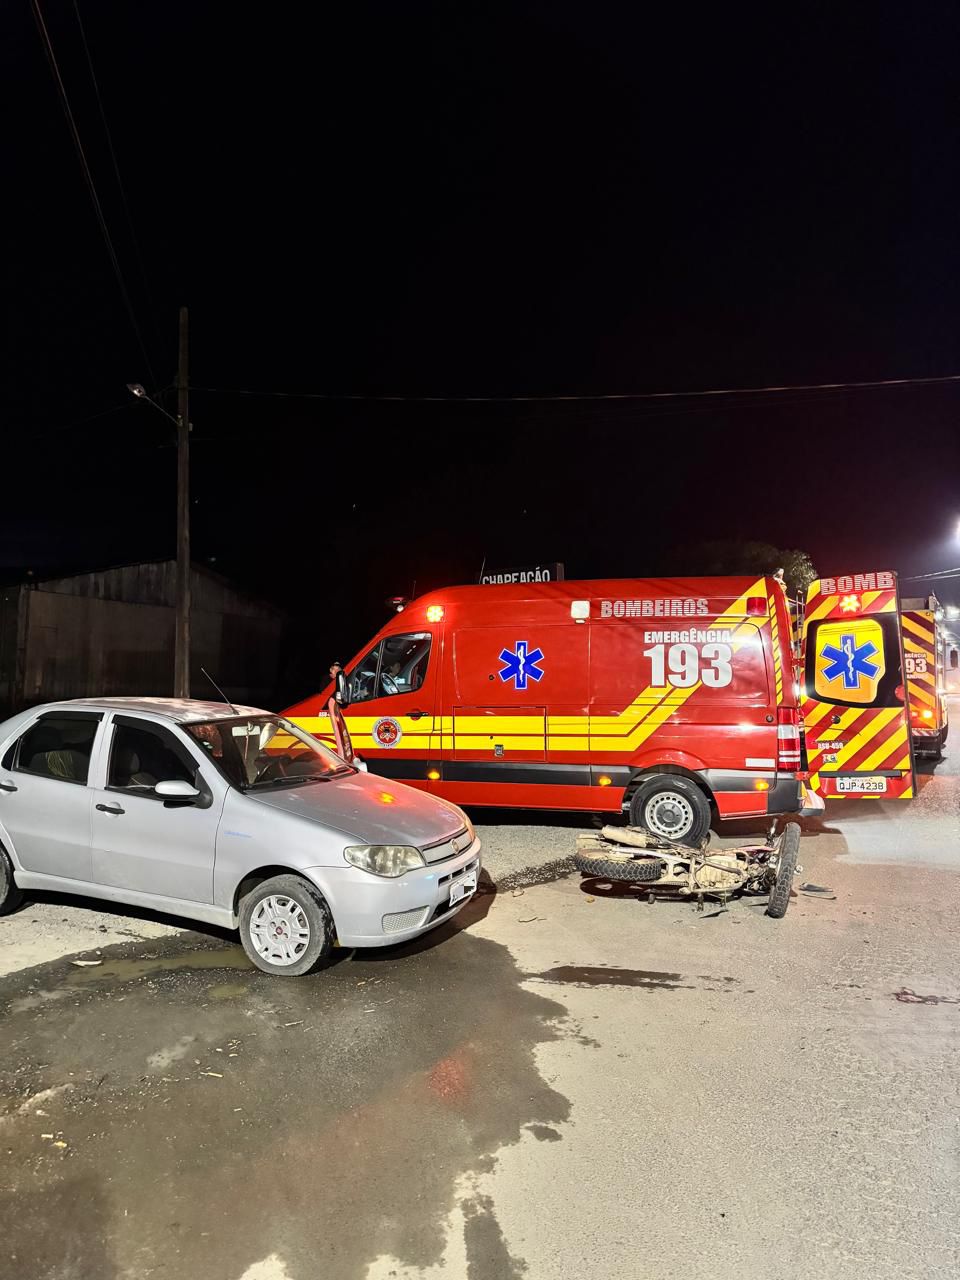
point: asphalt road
(566, 1083)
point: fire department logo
(387, 732)
(521, 665)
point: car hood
(369, 809)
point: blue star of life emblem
(520, 665)
(851, 661)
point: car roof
(180, 710)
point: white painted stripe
(756, 762)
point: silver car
(229, 815)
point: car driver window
(58, 747)
(143, 755)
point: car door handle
(7, 786)
(110, 808)
(417, 715)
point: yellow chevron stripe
(896, 743)
(925, 635)
(834, 732)
(812, 718)
(777, 662)
(915, 646)
(860, 740)
(921, 695)
(826, 605)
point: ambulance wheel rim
(669, 814)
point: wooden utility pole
(181, 661)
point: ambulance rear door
(854, 705)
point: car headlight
(384, 859)
(471, 830)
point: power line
(551, 399)
(91, 186)
(923, 577)
(116, 165)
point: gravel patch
(522, 852)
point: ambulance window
(362, 680)
(854, 663)
(398, 664)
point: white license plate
(463, 887)
(870, 786)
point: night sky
(482, 200)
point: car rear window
(58, 747)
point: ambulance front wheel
(671, 807)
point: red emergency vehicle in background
(671, 698)
(923, 658)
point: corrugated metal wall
(112, 634)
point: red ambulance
(671, 698)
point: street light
(137, 391)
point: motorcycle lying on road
(630, 855)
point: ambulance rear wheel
(672, 808)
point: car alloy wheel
(279, 930)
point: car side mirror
(340, 690)
(177, 790)
(360, 764)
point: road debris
(217, 1075)
(906, 996)
(86, 964)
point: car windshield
(262, 752)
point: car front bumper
(374, 911)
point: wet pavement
(172, 1111)
(564, 1082)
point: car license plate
(463, 887)
(870, 786)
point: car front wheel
(285, 926)
(10, 896)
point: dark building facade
(111, 633)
